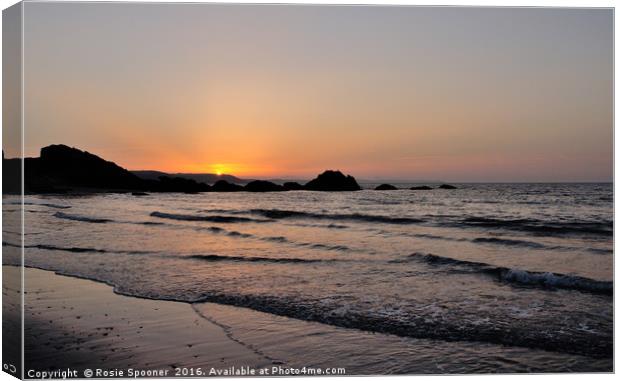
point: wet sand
(81, 324)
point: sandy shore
(81, 324)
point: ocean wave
(277, 214)
(74, 217)
(599, 251)
(214, 257)
(207, 257)
(234, 233)
(329, 247)
(421, 326)
(74, 249)
(10, 244)
(55, 206)
(534, 226)
(544, 280)
(438, 237)
(148, 223)
(540, 227)
(276, 239)
(337, 226)
(536, 245)
(509, 242)
(69, 249)
(416, 325)
(216, 219)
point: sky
(275, 91)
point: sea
(484, 278)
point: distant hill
(207, 178)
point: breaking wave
(540, 227)
(547, 280)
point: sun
(219, 169)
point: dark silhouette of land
(62, 169)
(207, 178)
(225, 186)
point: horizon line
(360, 179)
(379, 180)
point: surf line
(228, 332)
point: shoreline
(82, 324)
(78, 323)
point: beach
(79, 324)
(75, 324)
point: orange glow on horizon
(385, 102)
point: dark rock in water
(421, 187)
(225, 186)
(386, 187)
(292, 186)
(447, 186)
(139, 194)
(263, 186)
(333, 181)
(179, 184)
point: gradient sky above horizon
(457, 94)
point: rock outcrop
(334, 181)
(179, 184)
(63, 166)
(447, 186)
(292, 186)
(385, 187)
(421, 187)
(263, 186)
(61, 169)
(225, 186)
